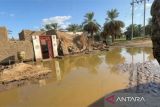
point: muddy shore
(20, 74)
(144, 77)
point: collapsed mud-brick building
(44, 45)
(39, 45)
(62, 42)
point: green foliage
(51, 26)
(48, 27)
(112, 27)
(149, 27)
(90, 25)
(112, 14)
(74, 28)
(137, 29)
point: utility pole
(144, 23)
(144, 20)
(132, 18)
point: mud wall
(27, 34)
(9, 50)
(3, 34)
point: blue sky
(33, 14)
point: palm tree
(55, 26)
(112, 26)
(90, 25)
(51, 26)
(48, 27)
(74, 28)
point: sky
(34, 14)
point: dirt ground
(21, 72)
(134, 43)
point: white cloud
(61, 20)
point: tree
(149, 27)
(90, 25)
(113, 27)
(48, 27)
(137, 29)
(51, 26)
(74, 28)
(55, 26)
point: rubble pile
(72, 44)
(100, 46)
(144, 77)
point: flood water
(77, 81)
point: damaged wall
(9, 50)
(72, 43)
(27, 34)
(3, 34)
(68, 43)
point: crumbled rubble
(143, 77)
(100, 46)
(73, 44)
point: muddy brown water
(77, 81)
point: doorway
(46, 47)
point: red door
(46, 47)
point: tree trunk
(113, 38)
(92, 37)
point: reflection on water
(77, 81)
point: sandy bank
(21, 72)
